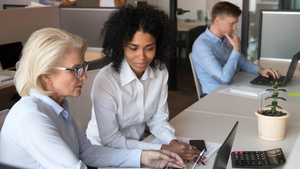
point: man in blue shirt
(216, 52)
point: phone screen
(199, 144)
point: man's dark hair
(125, 22)
(226, 8)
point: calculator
(257, 159)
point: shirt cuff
(256, 69)
(168, 138)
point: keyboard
(257, 159)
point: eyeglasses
(78, 71)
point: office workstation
(196, 121)
(21, 22)
(245, 106)
(212, 117)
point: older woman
(133, 89)
(39, 131)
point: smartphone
(199, 144)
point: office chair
(197, 82)
(181, 43)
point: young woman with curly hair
(132, 90)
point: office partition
(19, 24)
(85, 22)
(279, 34)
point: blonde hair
(44, 51)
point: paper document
(210, 146)
(251, 91)
(231, 90)
(5, 78)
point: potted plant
(272, 120)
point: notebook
(250, 91)
(260, 80)
(10, 55)
(223, 153)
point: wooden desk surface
(186, 26)
(93, 54)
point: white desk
(216, 127)
(212, 118)
(182, 25)
(216, 102)
(9, 83)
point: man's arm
(205, 55)
(235, 41)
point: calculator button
(257, 159)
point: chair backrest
(197, 82)
(81, 106)
(3, 114)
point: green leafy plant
(273, 111)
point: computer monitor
(10, 54)
(9, 6)
(278, 32)
(85, 22)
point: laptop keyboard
(265, 80)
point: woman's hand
(184, 150)
(161, 158)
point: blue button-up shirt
(39, 133)
(215, 61)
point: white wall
(16, 2)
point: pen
(198, 159)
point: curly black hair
(125, 22)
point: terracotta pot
(271, 128)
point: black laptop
(10, 54)
(223, 153)
(260, 80)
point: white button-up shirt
(38, 133)
(122, 104)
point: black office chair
(181, 43)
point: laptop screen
(223, 153)
(292, 67)
(10, 54)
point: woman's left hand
(184, 150)
(161, 159)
